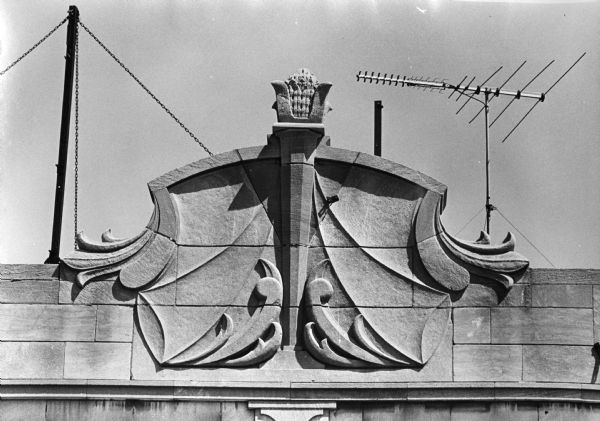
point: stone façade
(297, 281)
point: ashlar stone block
(114, 324)
(31, 360)
(568, 276)
(487, 363)
(29, 291)
(471, 325)
(568, 326)
(43, 322)
(41, 271)
(97, 360)
(553, 363)
(579, 296)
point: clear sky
(212, 62)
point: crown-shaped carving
(301, 98)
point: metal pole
(64, 135)
(488, 207)
(378, 108)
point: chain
(76, 166)
(163, 106)
(34, 47)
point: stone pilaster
(297, 143)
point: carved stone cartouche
(295, 244)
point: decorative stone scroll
(295, 244)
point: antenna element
(488, 93)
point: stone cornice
(288, 391)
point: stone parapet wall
(536, 343)
(542, 331)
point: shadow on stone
(596, 355)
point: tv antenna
(474, 92)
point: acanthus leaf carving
(361, 345)
(225, 342)
(263, 322)
(319, 291)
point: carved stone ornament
(301, 98)
(295, 244)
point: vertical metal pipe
(63, 148)
(378, 108)
(488, 207)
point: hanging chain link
(163, 106)
(37, 44)
(76, 166)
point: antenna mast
(61, 167)
(488, 206)
(488, 93)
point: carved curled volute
(112, 256)
(451, 261)
(108, 242)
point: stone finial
(301, 98)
